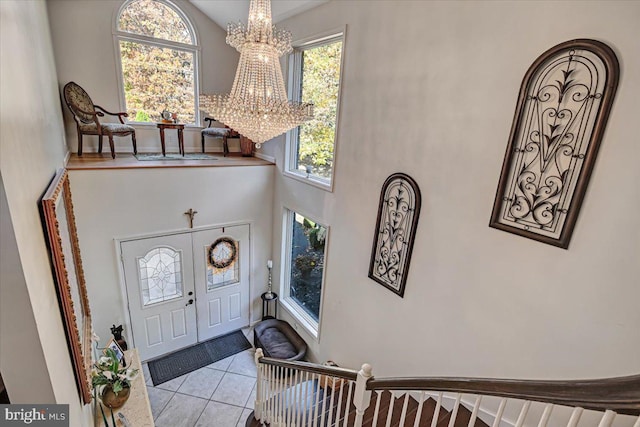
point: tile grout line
(199, 416)
(164, 407)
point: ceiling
(223, 12)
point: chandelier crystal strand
(257, 106)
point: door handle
(190, 302)
(190, 293)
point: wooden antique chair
(86, 114)
(223, 133)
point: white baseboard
(265, 157)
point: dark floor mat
(189, 359)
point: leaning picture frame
(66, 264)
(113, 345)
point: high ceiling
(223, 12)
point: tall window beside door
(305, 242)
(314, 76)
(158, 54)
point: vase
(113, 401)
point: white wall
(430, 89)
(114, 204)
(82, 34)
(34, 359)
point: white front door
(221, 271)
(159, 282)
(187, 287)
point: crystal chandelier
(257, 106)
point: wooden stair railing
(299, 394)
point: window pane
(153, 19)
(160, 276)
(320, 85)
(156, 79)
(307, 263)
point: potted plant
(114, 379)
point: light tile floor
(218, 395)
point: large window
(158, 59)
(314, 76)
(305, 242)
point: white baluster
(324, 399)
(289, 397)
(269, 398)
(403, 415)
(274, 393)
(346, 412)
(416, 423)
(474, 413)
(276, 398)
(281, 389)
(377, 411)
(333, 395)
(523, 414)
(302, 415)
(257, 407)
(362, 396)
(316, 407)
(454, 412)
(392, 404)
(498, 419)
(575, 417)
(298, 407)
(544, 419)
(607, 419)
(343, 385)
(436, 410)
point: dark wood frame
(78, 338)
(610, 61)
(410, 239)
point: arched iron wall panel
(398, 214)
(562, 110)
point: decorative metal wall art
(398, 215)
(563, 107)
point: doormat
(174, 156)
(200, 355)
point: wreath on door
(222, 252)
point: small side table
(266, 300)
(179, 127)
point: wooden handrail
(314, 368)
(621, 395)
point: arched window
(158, 54)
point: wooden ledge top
(89, 161)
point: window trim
(293, 63)
(194, 48)
(289, 304)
